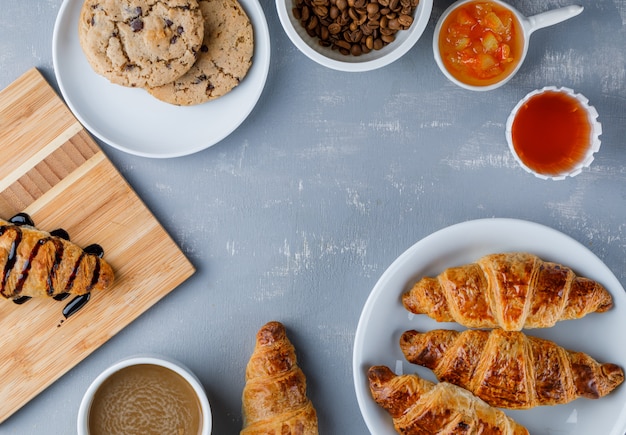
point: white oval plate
(384, 319)
(132, 120)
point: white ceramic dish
(384, 319)
(133, 121)
(529, 26)
(594, 139)
(175, 366)
(405, 40)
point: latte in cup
(145, 399)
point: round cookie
(224, 59)
(141, 43)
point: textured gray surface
(296, 214)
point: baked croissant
(36, 263)
(509, 369)
(420, 407)
(274, 397)
(511, 291)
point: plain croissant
(509, 369)
(420, 407)
(36, 263)
(274, 397)
(511, 291)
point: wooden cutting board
(53, 170)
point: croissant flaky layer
(511, 290)
(509, 369)
(274, 397)
(35, 263)
(420, 407)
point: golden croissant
(420, 407)
(274, 397)
(36, 263)
(511, 291)
(509, 369)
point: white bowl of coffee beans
(354, 35)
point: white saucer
(132, 120)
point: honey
(551, 133)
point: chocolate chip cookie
(224, 59)
(142, 43)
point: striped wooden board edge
(53, 170)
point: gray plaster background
(296, 214)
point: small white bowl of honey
(145, 394)
(553, 133)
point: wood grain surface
(53, 170)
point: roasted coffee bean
(313, 22)
(388, 38)
(343, 44)
(334, 28)
(372, 8)
(354, 27)
(353, 14)
(405, 21)
(305, 14)
(320, 11)
(324, 33)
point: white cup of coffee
(145, 394)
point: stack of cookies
(182, 52)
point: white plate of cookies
(161, 79)
(382, 338)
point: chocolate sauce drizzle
(60, 233)
(20, 300)
(75, 304)
(60, 296)
(55, 239)
(94, 249)
(22, 219)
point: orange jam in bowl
(481, 43)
